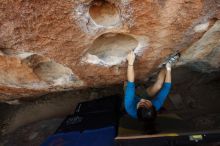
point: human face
(144, 103)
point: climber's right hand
(131, 58)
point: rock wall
(48, 46)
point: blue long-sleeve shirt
(131, 100)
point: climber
(146, 109)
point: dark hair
(146, 114)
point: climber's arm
(129, 100)
(130, 70)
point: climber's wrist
(130, 64)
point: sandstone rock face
(48, 46)
(204, 55)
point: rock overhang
(53, 46)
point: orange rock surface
(48, 46)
